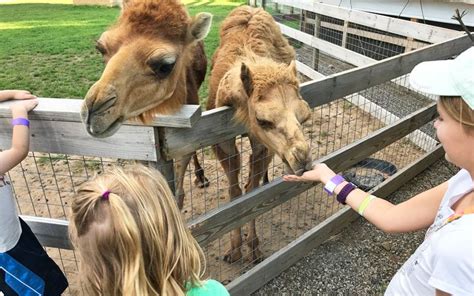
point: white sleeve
(453, 265)
(10, 228)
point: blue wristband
(21, 121)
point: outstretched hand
(23, 95)
(319, 173)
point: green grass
(49, 48)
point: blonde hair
(135, 242)
(459, 110)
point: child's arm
(414, 214)
(20, 138)
(15, 95)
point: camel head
(266, 99)
(145, 54)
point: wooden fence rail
(216, 126)
(261, 274)
(53, 131)
(401, 27)
(216, 223)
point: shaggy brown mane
(166, 18)
(253, 23)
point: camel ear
(292, 67)
(124, 4)
(200, 26)
(246, 77)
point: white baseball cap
(447, 77)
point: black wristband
(341, 197)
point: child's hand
(23, 95)
(319, 173)
(21, 108)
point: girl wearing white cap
(444, 263)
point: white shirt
(445, 259)
(10, 228)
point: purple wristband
(332, 184)
(21, 121)
(342, 196)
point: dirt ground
(44, 185)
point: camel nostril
(102, 106)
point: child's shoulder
(209, 287)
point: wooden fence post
(409, 43)
(166, 167)
(317, 28)
(344, 33)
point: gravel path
(361, 259)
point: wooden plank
(317, 31)
(345, 30)
(308, 71)
(328, 48)
(258, 276)
(165, 166)
(336, 51)
(130, 142)
(215, 126)
(186, 117)
(50, 232)
(325, 90)
(215, 223)
(54, 232)
(374, 36)
(418, 137)
(417, 31)
(69, 110)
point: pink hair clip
(105, 195)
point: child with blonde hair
(132, 239)
(444, 263)
(25, 268)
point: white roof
(433, 10)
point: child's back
(132, 239)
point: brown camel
(155, 62)
(253, 70)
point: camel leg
(259, 161)
(180, 171)
(201, 181)
(229, 158)
(265, 178)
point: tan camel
(155, 62)
(253, 70)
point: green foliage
(49, 49)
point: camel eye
(265, 124)
(162, 68)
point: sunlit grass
(35, 1)
(191, 3)
(49, 48)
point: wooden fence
(56, 128)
